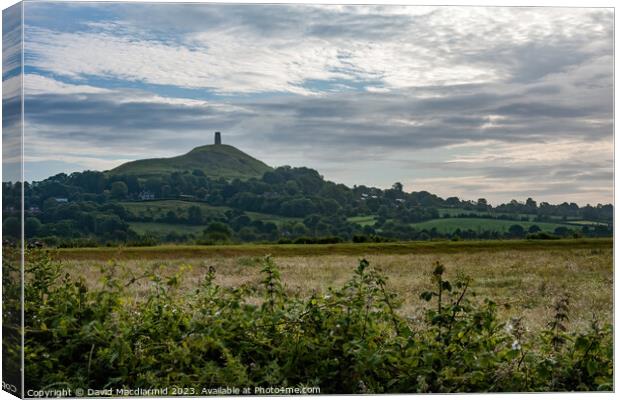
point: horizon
(499, 103)
(473, 200)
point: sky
(495, 102)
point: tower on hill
(218, 138)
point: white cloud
(37, 84)
(495, 102)
(440, 46)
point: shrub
(347, 340)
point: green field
(449, 225)
(355, 249)
(159, 208)
(162, 228)
(587, 223)
(363, 220)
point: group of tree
(89, 206)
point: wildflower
(516, 345)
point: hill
(216, 161)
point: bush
(348, 340)
(542, 236)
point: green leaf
(427, 296)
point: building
(146, 195)
(218, 138)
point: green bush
(347, 340)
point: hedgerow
(350, 339)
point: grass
(162, 228)
(449, 225)
(523, 278)
(353, 249)
(588, 223)
(216, 161)
(159, 208)
(458, 211)
(363, 220)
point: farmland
(524, 276)
(448, 225)
(226, 315)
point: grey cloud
(556, 86)
(11, 40)
(103, 112)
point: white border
(546, 3)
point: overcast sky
(502, 103)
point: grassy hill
(216, 161)
(159, 208)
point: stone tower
(218, 138)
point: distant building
(146, 196)
(61, 199)
(218, 138)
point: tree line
(88, 207)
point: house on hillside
(146, 195)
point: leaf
(591, 366)
(427, 296)
(581, 343)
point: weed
(349, 339)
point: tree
(516, 231)
(32, 225)
(247, 234)
(531, 205)
(11, 227)
(453, 201)
(534, 229)
(109, 224)
(194, 215)
(118, 190)
(300, 229)
(299, 207)
(482, 205)
(218, 232)
(398, 187)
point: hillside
(216, 161)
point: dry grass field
(523, 282)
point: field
(522, 276)
(347, 318)
(163, 228)
(363, 220)
(159, 208)
(449, 225)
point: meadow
(523, 277)
(348, 318)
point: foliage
(350, 339)
(220, 184)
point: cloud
(463, 100)
(278, 48)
